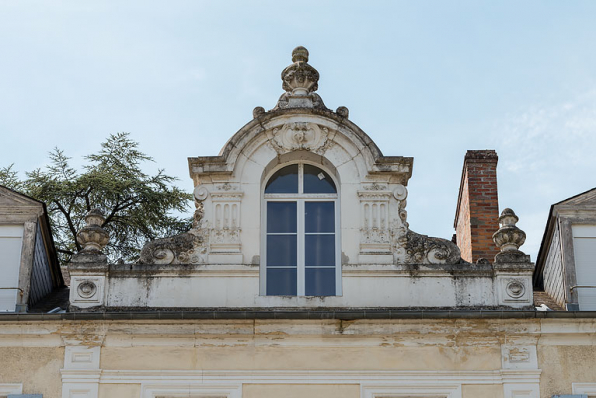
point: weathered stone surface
(421, 249)
(185, 248)
(300, 81)
(509, 238)
(93, 237)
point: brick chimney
(477, 213)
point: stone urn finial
(509, 237)
(300, 78)
(93, 237)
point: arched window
(301, 255)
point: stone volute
(93, 237)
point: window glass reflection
(319, 250)
(320, 282)
(317, 181)
(281, 217)
(281, 282)
(319, 217)
(284, 180)
(281, 250)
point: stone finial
(300, 81)
(93, 237)
(509, 237)
(300, 78)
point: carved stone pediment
(301, 136)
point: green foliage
(137, 206)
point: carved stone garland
(301, 136)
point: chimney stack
(477, 213)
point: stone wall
(456, 358)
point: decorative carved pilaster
(225, 229)
(375, 224)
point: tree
(137, 206)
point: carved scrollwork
(186, 248)
(422, 249)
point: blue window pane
(281, 250)
(319, 216)
(317, 181)
(319, 250)
(320, 282)
(281, 217)
(284, 180)
(281, 282)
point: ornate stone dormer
(300, 81)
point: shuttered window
(11, 242)
(584, 247)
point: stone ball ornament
(258, 111)
(93, 237)
(509, 237)
(343, 111)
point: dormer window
(301, 240)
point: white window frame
(300, 199)
(10, 388)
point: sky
(427, 79)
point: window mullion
(300, 179)
(300, 260)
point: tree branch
(71, 226)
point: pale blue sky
(428, 79)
